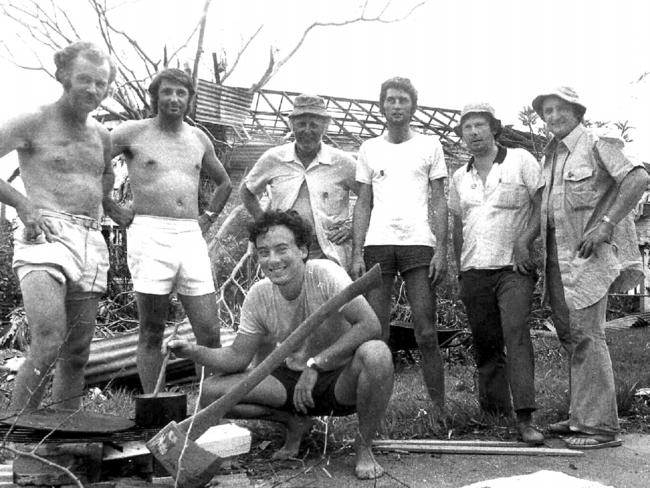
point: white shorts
(166, 254)
(77, 256)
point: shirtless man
(60, 256)
(166, 250)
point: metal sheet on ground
(68, 421)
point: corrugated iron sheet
(243, 157)
(115, 357)
(222, 105)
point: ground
(624, 467)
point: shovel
(198, 466)
(157, 409)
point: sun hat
(566, 93)
(309, 104)
(476, 108)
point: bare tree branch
(43, 460)
(241, 53)
(363, 17)
(199, 46)
(187, 41)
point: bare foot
(297, 426)
(367, 468)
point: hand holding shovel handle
(163, 367)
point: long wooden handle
(211, 414)
(163, 366)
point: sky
(501, 51)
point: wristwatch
(607, 220)
(311, 364)
(211, 215)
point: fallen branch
(31, 455)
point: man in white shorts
(60, 256)
(397, 172)
(166, 249)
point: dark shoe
(584, 442)
(529, 434)
(561, 427)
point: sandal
(584, 442)
(561, 427)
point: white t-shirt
(267, 313)
(400, 175)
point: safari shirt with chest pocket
(582, 173)
(494, 214)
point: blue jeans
(582, 334)
(498, 304)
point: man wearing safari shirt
(397, 172)
(495, 200)
(310, 177)
(590, 248)
(60, 256)
(166, 249)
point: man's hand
(591, 241)
(179, 348)
(205, 222)
(35, 224)
(437, 268)
(340, 232)
(523, 262)
(122, 216)
(302, 398)
(357, 267)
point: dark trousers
(498, 304)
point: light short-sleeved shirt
(329, 179)
(582, 174)
(494, 215)
(265, 312)
(400, 176)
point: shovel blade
(196, 466)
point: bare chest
(64, 152)
(162, 155)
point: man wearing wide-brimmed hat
(309, 177)
(495, 200)
(590, 248)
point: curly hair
(398, 83)
(173, 75)
(299, 227)
(63, 59)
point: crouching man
(341, 368)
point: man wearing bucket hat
(590, 248)
(309, 177)
(495, 200)
(398, 172)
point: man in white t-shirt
(398, 172)
(341, 368)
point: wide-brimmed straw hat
(566, 93)
(309, 104)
